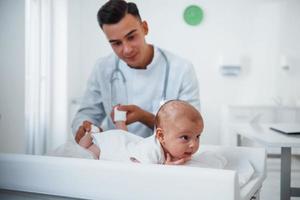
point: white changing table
(71, 178)
(257, 157)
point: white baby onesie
(119, 145)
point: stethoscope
(117, 76)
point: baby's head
(178, 128)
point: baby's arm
(95, 150)
(87, 143)
(121, 125)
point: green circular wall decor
(193, 15)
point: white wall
(12, 78)
(253, 34)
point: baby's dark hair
(114, 10)
(166, 111)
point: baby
(176, 138)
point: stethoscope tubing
(167, 72)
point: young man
(138, 75)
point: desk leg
(239, 140)
(285, 179)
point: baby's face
(181, 139)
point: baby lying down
(176, 138)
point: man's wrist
(148, 119)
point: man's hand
(181, 161)
(85, 127)
(136, 114)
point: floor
(271, 186)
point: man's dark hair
(114, 10)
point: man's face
(181, 139)
(127, 39)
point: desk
(262, 134)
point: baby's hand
(181, 161)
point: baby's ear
(160, 134)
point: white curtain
(46, 69)
(37, 74)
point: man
(144, 75)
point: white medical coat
(144, 88)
